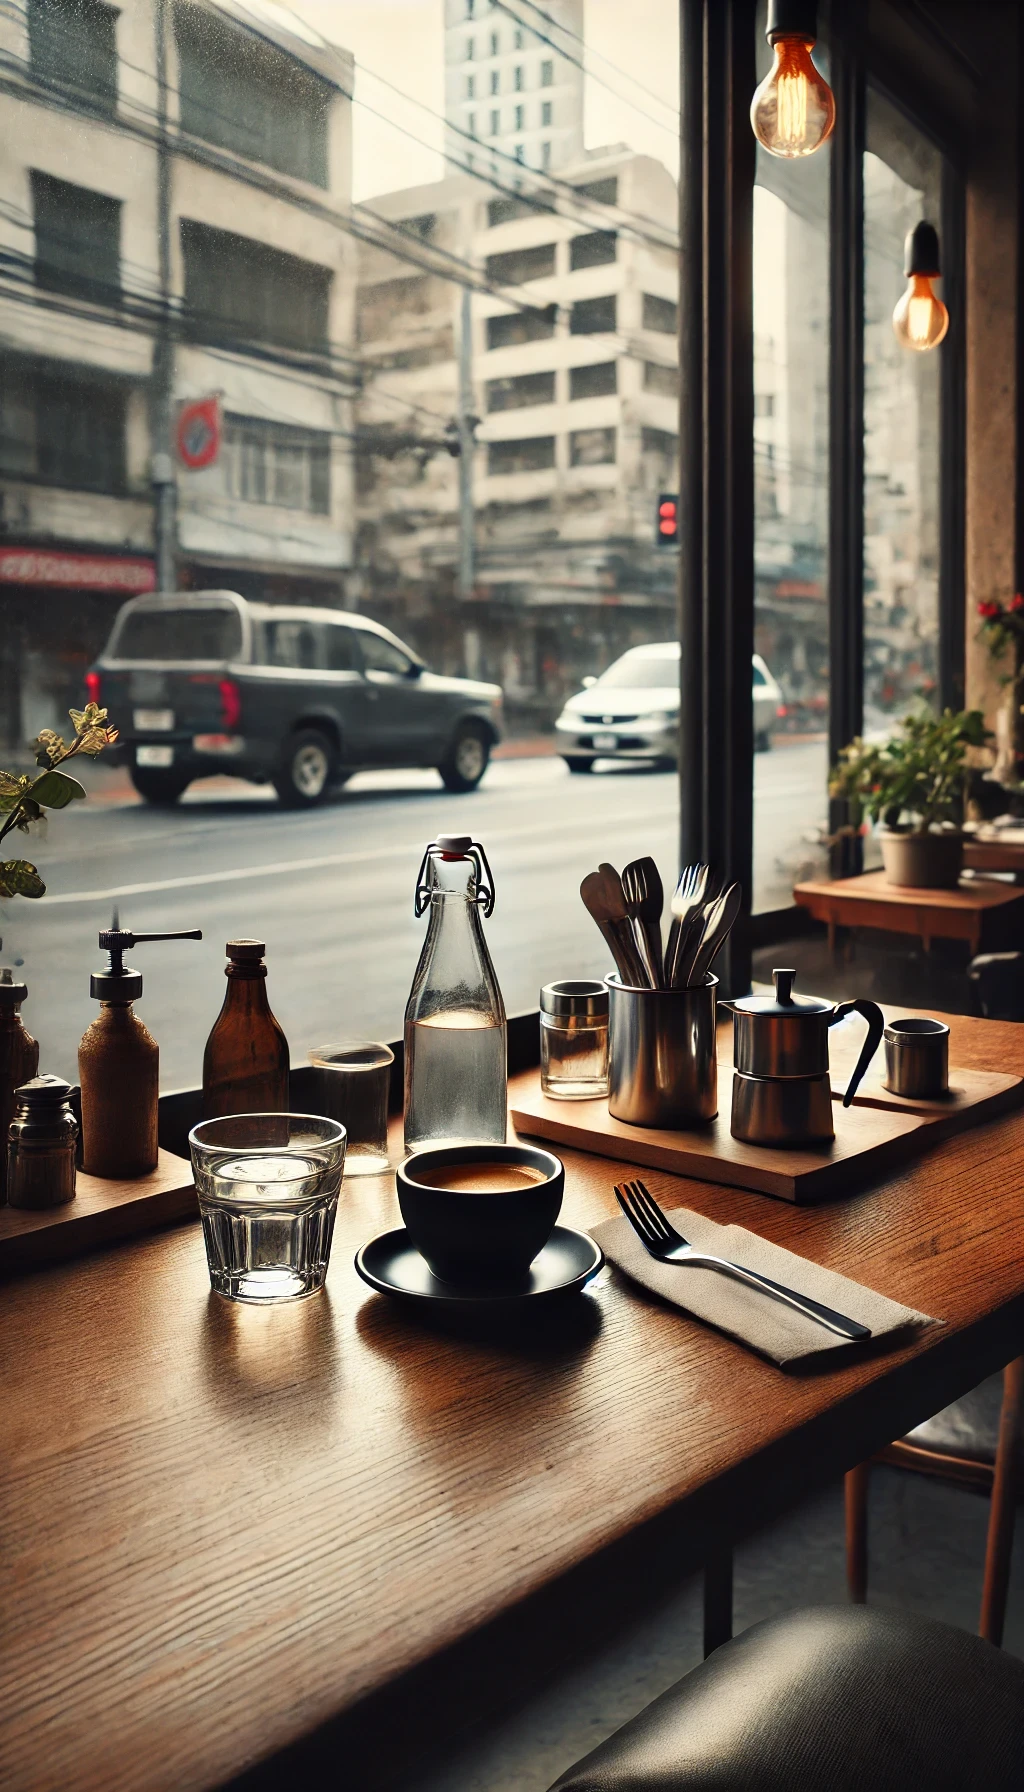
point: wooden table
(989, 914)
(996, 852)
(224, 1528)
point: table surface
(874, 886)
(223, 1526)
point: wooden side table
(978, 912)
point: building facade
(513, 86)
(172, 188)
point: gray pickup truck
(207, 682)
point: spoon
(618, 912)
(645, 899)
(594, 892)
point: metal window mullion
(952, 445)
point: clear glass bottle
(456, 1057)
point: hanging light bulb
(921, 320)
(792, 112)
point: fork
(660, 1238)
(687, 902)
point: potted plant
(23, 799)
(914, 783)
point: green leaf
(19, 878)
(55, 790)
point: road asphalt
(330, 891)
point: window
(604, 192)
(547, 74)
(246, 96)
(74, 42)
(589, 316)
(517, 39)
(274, 463)
(531, 454)
(471, 87)
(520, 152)
(192, 633)
(660, 314)
(524, 389)
(596, 380)
(545, 155)
(591, 447)
(515, 327)
(495, 43)
(380, 655)
(503, 211)
(78, 239)
(518, 265)
(545, 112)
(660, 442)
(469, 49)
(517, 77)
(495, 123)
(469, 9)
(662, 380)
(293, 643)
(339, 647)
(62, 425)
(520, 118)
(237, 287)
(495, 80)
(592, 251)
(471, 126)
(764, 404)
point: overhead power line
(670, 130)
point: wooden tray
(869, 1142)
(101, 1213)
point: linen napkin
(769, 1327)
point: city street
(331, 890)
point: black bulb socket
(792, 18)
(921, 250)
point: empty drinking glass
(268, 1187)
(353, 1082)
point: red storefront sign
(83, 572)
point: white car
(632, 710)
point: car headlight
(662, 718)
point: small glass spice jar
(42, 1141)
(574, 1040)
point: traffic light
(667, 525)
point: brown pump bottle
(245, 1065)
(119, 1068)
(19, 1059)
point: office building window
(520, 118)
(659, 314)
(532, 454)
(495, 81)
(591, 447)
(471, 87)
(237, 287)
(517, 39)
(517, 265)
(545, 112)
(596, 380)
(246, 96)
(545, 155)
(76, 45)
(523, 390)
(516, 327)
(471, 124)
(547, 74)
(503, 211)
(62, 425)
(469, 8)
(78, 239)
(469, 49)
(517, 77)
(605, 192)
(520, 153)
(592, 251)
(662, 380)
(495, 43)
(495, 122)
(589, 316)
(274, 463)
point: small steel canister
(574, 1040)
(663, 1054)
(42, 1141)
(917, 1057)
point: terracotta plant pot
(923, 861)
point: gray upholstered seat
(831, 1699)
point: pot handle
(876, 1027)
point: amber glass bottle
(245, 1065)
(19, 1060)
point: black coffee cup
(476, 1234)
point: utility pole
(162, 399)
(467, 439)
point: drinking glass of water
(353, 1082)
(268, 1187)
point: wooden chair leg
(856, 1492)
(1004, 1501)
(717, 1598)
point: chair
(979, 1442)
(997, 985)
(834, 1697)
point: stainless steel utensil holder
(664, 1054)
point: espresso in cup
(480, 1213)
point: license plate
(606, 743)
(151, 721)
(155, 756)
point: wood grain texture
(222, 1528)
(977, 911)
(869, 1141)
(102, 1213)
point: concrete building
(162, 242)
(512, 86)
(573, 370)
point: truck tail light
(230, 704)
(92, 687)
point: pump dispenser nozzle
(116, 982)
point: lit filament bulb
(920, 319)
(792, 112)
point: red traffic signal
(667, 522)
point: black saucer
(392, 1265)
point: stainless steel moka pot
(781, 1093)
